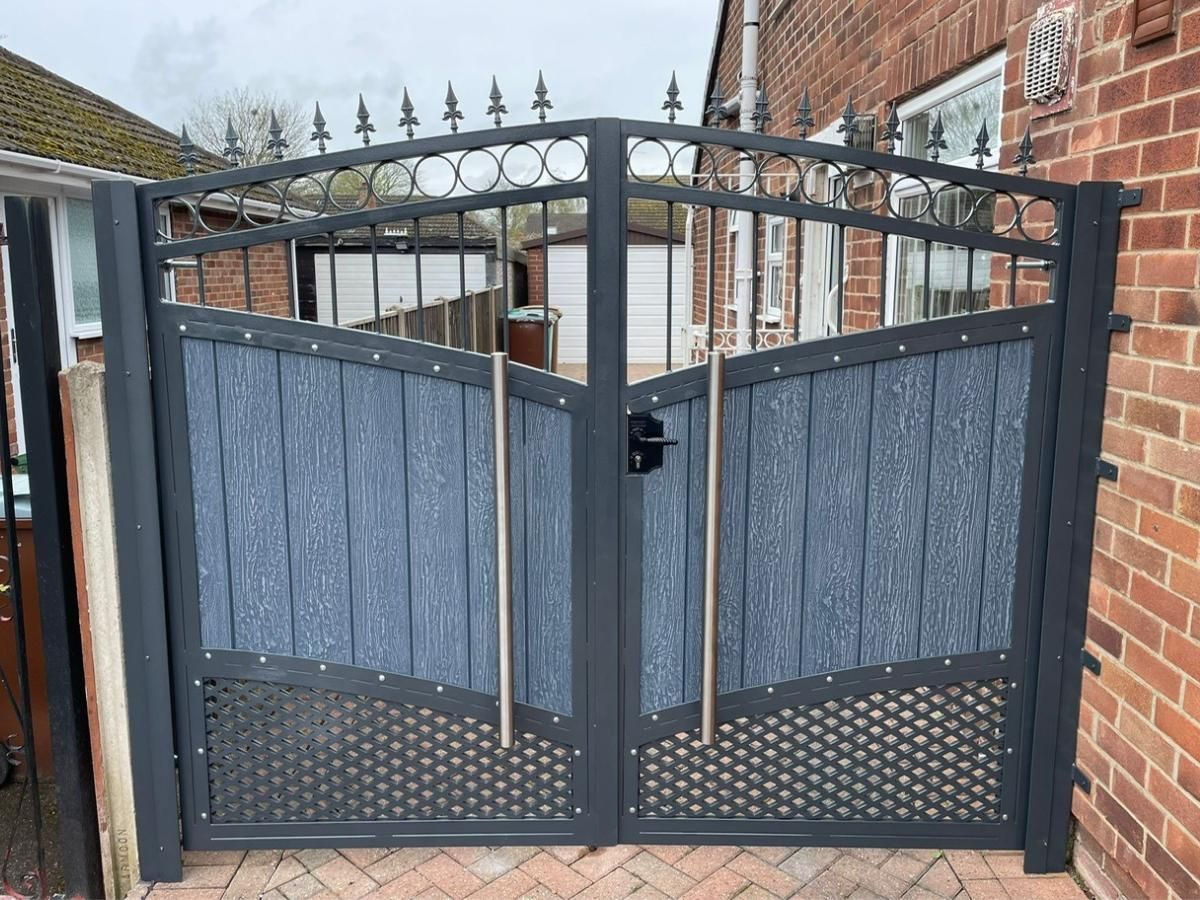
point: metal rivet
(196, 682)
(314, 346)
(579, 810)
(837, 359)
(204, 815)
(1024, 329)
(247, 335)
(200, 750)
(653, 717)
(902, 348)
(262, 659)
(633, 810)
(776, 370)
(562, 401)
(770, 690)
(555, 720)
(1003, 657)
(963, 339)
(633, 751)
(382, 677)
(322, 667)
(829, 679)
(947, 662)
(183, 328)
(888, 670)
(1009, 751)
(579, 753)
(1013, 685)
(437, 368)
(654, 399)
(375, 356)
(1004, 817)
(206, 656)
(440, 688)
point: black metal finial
(892, 132)
(276, 142)
(320, 135)
(364, 126)
(187, 152)
(849, 126)
(1024, 157)
(672, 104)
(804, 118)
(762, 112)
(981, 145)
(541, 104)
(452, 114)
(936, 143)
(497, 108)
(715, 101)
(233, 144)
(408, 121)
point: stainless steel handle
(712, 546)
(504, 605)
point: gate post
(1080, 404)
(139, 542)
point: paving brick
(450, 875)
(315, 857)
(364, 856)
(869, 876)
(205, 877)
(465, 855)
(722, 883)
(1055, 887)
(940, 880)
(165, 892)
(703, 861)
(212, 857)
(663, 876)
(772, 855)
(250, 880)
(289, 867)
(826, 886)
(302, 888)
(511, 884)
(598, 863)
(410, 884)
(765, 876)
(617, 883)
(669, 853)
(553, 874)
(968, 864)
(344, 878)
(501, 861)
(566, 855)
(985, 889)
(1007, 865)
(808, 862)
(396, 864)
(905, 868)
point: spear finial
(672, 104)
(276, 142)
(715, 101)
(541, 104)
(319, 134)
(849, 126)
(762, 112)
(892, 130)
(804, 117)
(1024, 157)
(497, 108)
(981, 145)
(187, 152)
(452, 114)
(234, 152)
(364, 126)
(937, 142)
(408, 121)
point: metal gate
(822, 590)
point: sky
(602, 57)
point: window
(938, 279)
(81, 256)
(821, 257)
(776, 243)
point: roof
(436, 231)
(44, 115)
(645, 216)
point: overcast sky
(601, 57)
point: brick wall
(1135, 118)
(8, 385)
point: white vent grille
(1046, 58)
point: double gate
(839, 601)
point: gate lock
(646, 443)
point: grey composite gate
(308, 517)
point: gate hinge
(1091, 663)
(1080, 778)
(1105, 469)
(1119, 322)
(1129, 197)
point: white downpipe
(743, 276)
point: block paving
(644, 872)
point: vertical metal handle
(504, 605)
(712, 546)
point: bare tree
(249, 110)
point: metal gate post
(136, 513)
(1080, 403)
(36, 325)
(606, 372)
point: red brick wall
(8, 385)
(1135, 118)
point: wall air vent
(1046, 68)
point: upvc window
(84, 280)
(958, 281)
(776, 244)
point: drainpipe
(743, 276)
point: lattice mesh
(283, 753)
(924, 753)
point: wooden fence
(442, 319)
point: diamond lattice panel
(283, 753)
(923, 753)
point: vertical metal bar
(970, 279)
(292, 299)
(131, 423)
(36, 325)
(504, 583)
(754, 285)
(420, 292)
(670, 260)
(712, 252)
(375, 279)
(545, 288)
(1012, 281)
(333, 279)
(462, 289)
(926, 299)
(712, 547)
(796, 282)
(246, 278)
(841, 277)
(883, 276)
(504, 273)
(200, 278)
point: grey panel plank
(481, 536)
(664, 566)
(896, 495)
(833, 558)
(1013, 369)
(378, 516)
(775, 543)
(964, 392)
(256, 505)
(433, 424)
(692, 451)
(516, 471)
(315, 466)
(548, 461)
(208, 493)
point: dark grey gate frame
(140, 429)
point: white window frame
(817, 312)
(734, 217)
(980, 73)
(62, 250)
(772, 311)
